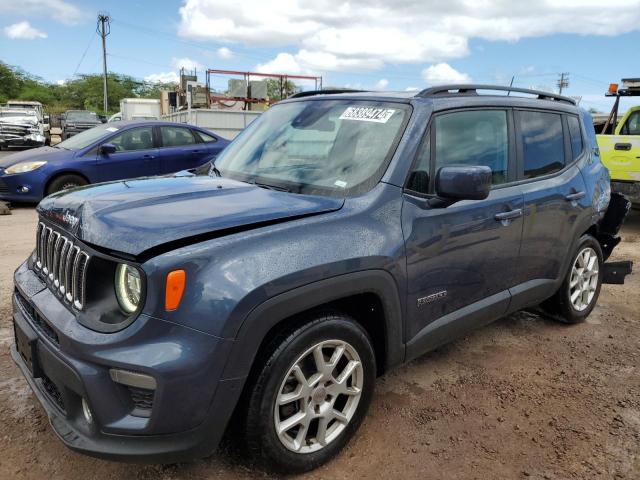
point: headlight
(23, 167)
(128, 287)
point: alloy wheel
(319, 396)
(584, 279)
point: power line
(84, 54)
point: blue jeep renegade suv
(338, 236)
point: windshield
(86, 138)
(317, 146)
(82, 117)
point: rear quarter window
(575, 136)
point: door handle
(622, 146)
(572, 197)
(148, 156)
(506, 217)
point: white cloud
(60, 10)
(224, 52)
(382, 84)
(411, 89)
(186, 63)
(167, 77)
(23, 31)
(325, 35)
(443, 73)
(283, 63)
(61, 82)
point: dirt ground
(522, 398)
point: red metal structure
(283, 78)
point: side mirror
(107, 148)
(463, 182)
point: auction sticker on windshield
(368, 114)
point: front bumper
(190, 406)
(32, 140)
(21, 187)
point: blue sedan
(112, 151)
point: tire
(578, 294)
(64, 182)
(279, 376)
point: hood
(133, 216)
(42, 153)
(25, 120)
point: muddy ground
(522, 398)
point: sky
(365, 44)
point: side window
(575, 136)
(176, 136)
(474, 138)
(632, 126)
(542, 142)
(419, 177)
(133, 139)
(205, 137)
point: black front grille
(37, 320)
(142, 399)
(53, 392)
(62, 264)
(4, 188)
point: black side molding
(614, 272)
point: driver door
(135, 156)
(461, 259)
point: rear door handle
(506, 217)
(572, 197)
(148, 156)
(622, 146)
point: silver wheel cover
(318, 396)
(584, 279)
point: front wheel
(579, 292)
(311, 394)
(65, 182)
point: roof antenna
(511, 84)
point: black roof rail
(328, 91)
(472, 89)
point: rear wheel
(579, 292)
(65, 182)
(311, 394)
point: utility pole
(563, 82)
(103, 29)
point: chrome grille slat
(49, 253)
(38, 263)
(53, 243)
(62, 264)
(68, 276)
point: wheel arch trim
(272, 312)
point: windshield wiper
(270, 187)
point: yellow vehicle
(619, 142)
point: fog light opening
(23, 189)
(86, 411)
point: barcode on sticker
(368, 114)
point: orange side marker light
(176, 281)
